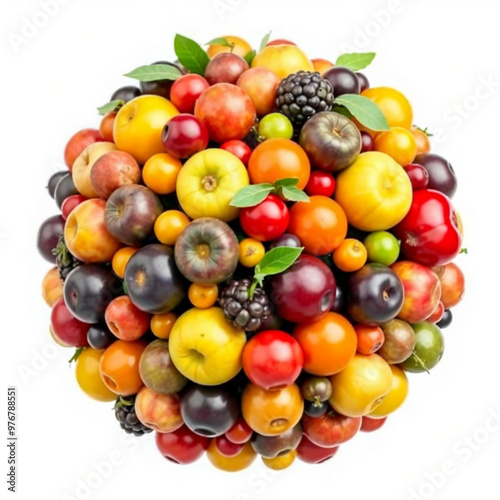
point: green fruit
(275, 126)
(429, 348)
(382, 247)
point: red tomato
(430, 233)
(320, 183)
(226, 447)
(181, 446)
(186, 90)
(266, 221)
(240, 432)
(311, 453)
(70, 203)
(239, 149)
(272, 359)
(372, 424)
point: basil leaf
(355, 61)
(252, 195)
(364, 110)
(110, 106)
(154, 72)
(191, 55)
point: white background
(437, 53)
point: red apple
(260, 84)
(159, 412)
(78, 143)
(227, 111)
(330, 429)
(113, 170)
(452, 285)
(182, 446)
(226, 67)
(422, 290)
(311, 453)
(125, 320)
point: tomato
(272, 359)
(70, 203)
(240, 432)
(271, 412)
(119, 366)
(320, 183)
(89, 378)
(250, 252)
(429, 348)
(186, 90)
(372, 424)
(398, 143)
(382, 247)
(421, 140)
(169, 225)
(120, 260)
(396, 396)
(160, 173)
(226, 447)
(361, 386)
(266, 221)
(203, 296)
(181, 446)
(161, 324)
(393, 104)
(330, 429)
(280, 462)
(106, 126)
(276, 159)
(430, 233)
(437, 314)
(68, 331)
(370, 338)
(350, 256)
(239, 149)
(311, 453)
(239, 462)
(328, 344)
(320, 224)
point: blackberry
(125, 414)
(65, 261)
(242, 311)
(301, 95)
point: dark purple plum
(446, 320)
(153, 282)
(376, 294)
(363, 82)
(99, 336)
(53, 180)
(48, 236)
(286, 240)
(305, 292)
(161, 87)
(441, 174)
(126, 94)
(367, 142)
(275, 446)
(64, 188)
(89, 289)
(209, 410)
(343, 80)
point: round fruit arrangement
(253, 251)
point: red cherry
(238, 148)
(320, 183)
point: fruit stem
(209, 183)
(251, 291)
(76, 354)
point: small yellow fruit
(250, 252)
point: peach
(125, 320)
(78, 143)
(321, 65)
(452, 285)
(260, 84)
(52, 287)
(157, 411)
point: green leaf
(220, 41)
(355, 61)
(191, 55)
(264, 42)
(287, 182)
(294, 194)
(252, 195)
(276, 261)
(424, 130)
(154, 72)
(343, 111)
(249, 57)
(110, 106)
(364, 110)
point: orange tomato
(421, 140)
(119, 366)
(394, 105)
(160, 173)
(370, 338)
(350, 256)
(398, 143)
(203, 296)
(106, 126)
(328, 344)
(320, 224)
(161, 324)
(276, 159)
(169, 225)
(236, 463)
(271, 412)
(89, 378)
(120, 260)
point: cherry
(184, 135)
(418, 175)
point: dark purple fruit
(367, 142)
(48, 237)
(209, 410)
(286, 240)
(441, 174)
(316, 389)
(161, 87)
(315, 409)
(376, 294)
(343, 81)
(126, 94)
(89, 289)
(363, 82)
(53, 180)
(446, 320)
(153, 282)
(399, 341)
(275, 446)
(99, 336)
(64, 188)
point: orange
(398, 143)
(393, 104)
(160, 173)
(320, 224)
(169, 225)
(350, 256)
(276, 159)
(241, 47)
(328, 344)
(120, 260)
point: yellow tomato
(250, 252)
(160, 173)
(398, 143)
(394, 105)
(283, 60)
(203, 296)
(396, 396)
(161, 324)
(169, 225)
(231, 464)
(281, 461)
(139, 125)
(208, 182)
(361, 386)
(120, 260)
(88, 376)
(375, 192)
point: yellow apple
(205, 347)
(139, 125)
(283, 60)
(83, 165)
